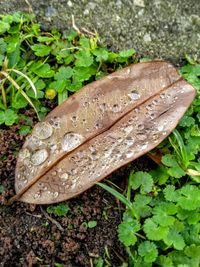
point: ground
(157, 29)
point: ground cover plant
(161, 221)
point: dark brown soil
(29, 238)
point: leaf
(60, 209)
(143, 180)
(4, 26)
(92, 224)
(189, 198)
(43, 70)
(101, 54)
(41, 50)
(154, 231)
(64, 73)
(9, 117)
(109, 123)
(127, 230)
(192, 251)
(170, 193)
(148, 250)
(174, 239)
(83, 59)
(162, 214)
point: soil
(28, 237)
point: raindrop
(129, 154)
(43, 130)
(34, 143)
(129, 141)
(128, 129)
(24, 153)
(53, 147)
(55, 194)
(141, 136)
(134, 95)
(149, 107)
(86, 104)
(160, 128)
(155, 101)
(55, 122)
(116, 108)
(94, 155)
(39, 157)
(37, 195)
(74, 118)
(162, 95)
(64, 176)
(144, 146)
(152, 116)
(103, 107)
(71, 140)
(140, 127)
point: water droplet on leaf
(39, 157)
(43, 130)
(134, 95)
(116, 108)
(71, 140)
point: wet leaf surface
(107, 124)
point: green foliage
(59, 210)
(57, 64)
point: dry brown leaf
(107, 124)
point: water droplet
(55, 194)
(155, 101)
(141, 136)
(129, 141)
(64, 176)
(149, 107)
(43, 130)
(24, 153)
(134, 95)
(34, 143)
(94, 155)
(53, 147)
(25, 181)
(71, 140)
(116, 108)
(162, 95)
(160, 128)
(39, 157)
(37, 195)
(129, 154)
(152, 116)
(55, 122)
(144, 146)
(74, 118)
(155, 137)
(86, 104)
(103, 107)
(107, 153)
(128, 129)
(140, 127)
